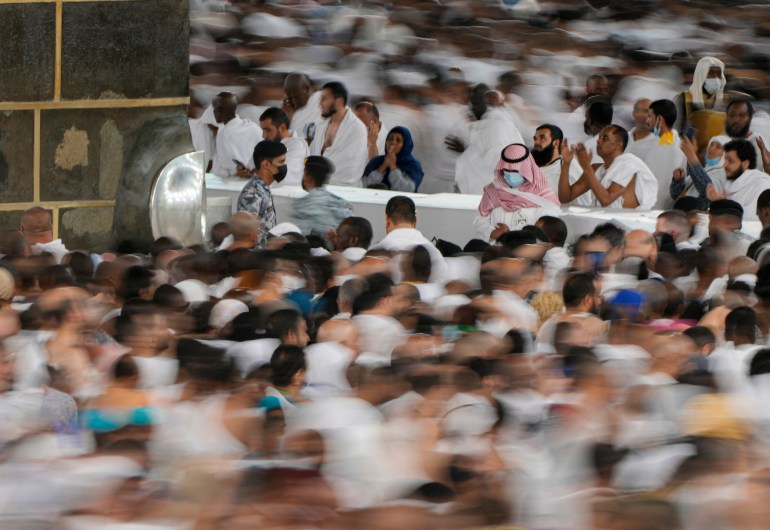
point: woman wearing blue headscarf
(397, 170)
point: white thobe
(307, 119)
(235, 141)
(439, 161)
(349, 152)
(487, 138)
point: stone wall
(93, 99)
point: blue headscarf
(408, 164)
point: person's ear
(557, 145)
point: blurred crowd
(306, 375)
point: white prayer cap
(225, 311)
(194, 291)
(284, 228)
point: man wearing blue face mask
(518, 195)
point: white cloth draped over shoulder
(745, 189)
(235, 141)
(621, 171)
(487, 137)
(348, 152)
(306, 120)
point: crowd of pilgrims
(615, 383)
(304, 375)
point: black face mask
(542, 158)
(282, 170)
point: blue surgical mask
(513, 179)
(656, 129)
(711, 162)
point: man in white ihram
(492, 131)
(341, 137)
(236, 139)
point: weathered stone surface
(86, 228)
(10, 220)
(83, 152)
(151, 147)
(27, 51)
(127, 49)
(16, 155)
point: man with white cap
(269, 167)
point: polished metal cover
(178, 200)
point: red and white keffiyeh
(498, 194)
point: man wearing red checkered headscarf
(518, 195)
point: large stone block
(86, 228)
(83, 152)
(27, 51)
(10, 220)
(17, 133)
(125, 49)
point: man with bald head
(640, 139)
(492, 130)
(302, 104)
(246, 230)
(37, 229)
(641, 244)
(236, 139)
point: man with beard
(341, 137)
(744, 181)
(546, 150)
(581, 305)
(270, 166)
(738, 125)
(275, 127)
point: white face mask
(494, 326)
(712, 85)
(291, 283)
